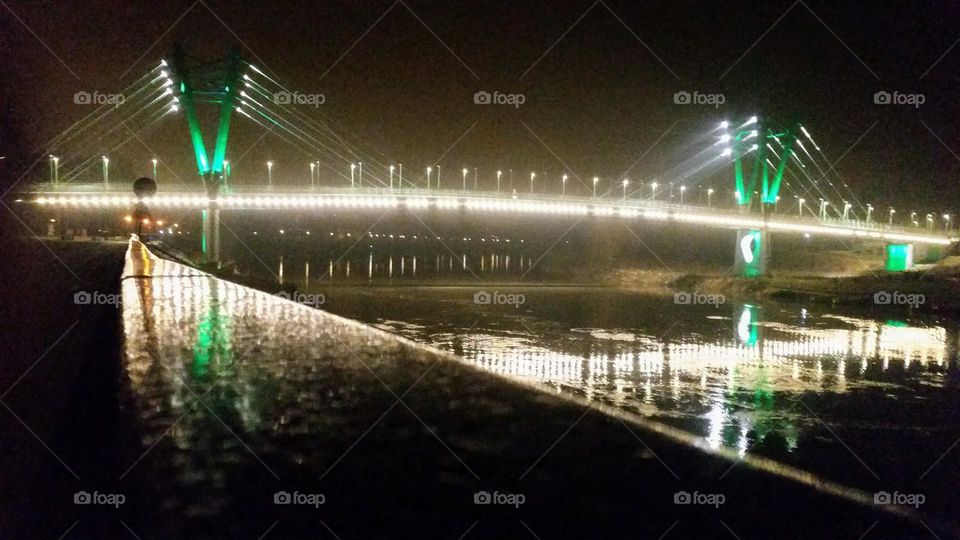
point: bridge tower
(752, 251)
(214, 83)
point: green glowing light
(899, 257)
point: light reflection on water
(728, 378)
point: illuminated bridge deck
(238, 394)
(242, 198)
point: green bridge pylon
(217, 83)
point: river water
(866, 398)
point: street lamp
(353, 168)
(913, 218)
(154, 161)
(776, 204)
(270, 173)
(846, 210)
(438, 177)
(890, 219)
(800, 212)
(563, 185)
(391, 177)
(625, 183)
(499, 174)
(464, 178)
(930, 221)
(653, 191)
(106, 170)
(359, 174)
(226, 171)
(709, 197)
(532, 176)
(54, 169)
(946, 222)
(429, 170)
(869, 212)
(400, 177)
(682, 189)
(595, 180)
(313, 173)
(475, 181)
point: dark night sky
(597, 100)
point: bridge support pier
(210, 241)
(898, 257)
(752, 253)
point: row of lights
(516, 206)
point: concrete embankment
(236, 413)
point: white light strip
(489, 205)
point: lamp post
(400, 177)
(563, 185)
(313, 173)
(226, 171)
(776, 204)
(359, 174)
(890, 218)
(464, 178)
(270, 173)
(438, 177)
(475, 181)
(709, 197)
(869, 212)
(946, 222)
(930, 221)
(800, 211)
(429, 170)
(913, 218)
(595, 180)
(499, 174)
(653, 191)
(353, 168)
(532, 176)
(682, 189)
(154, 161)
(625, 184)
(846, 210)
(54, 169)
(106, 170)
(391, 177)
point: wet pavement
(244, 415)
